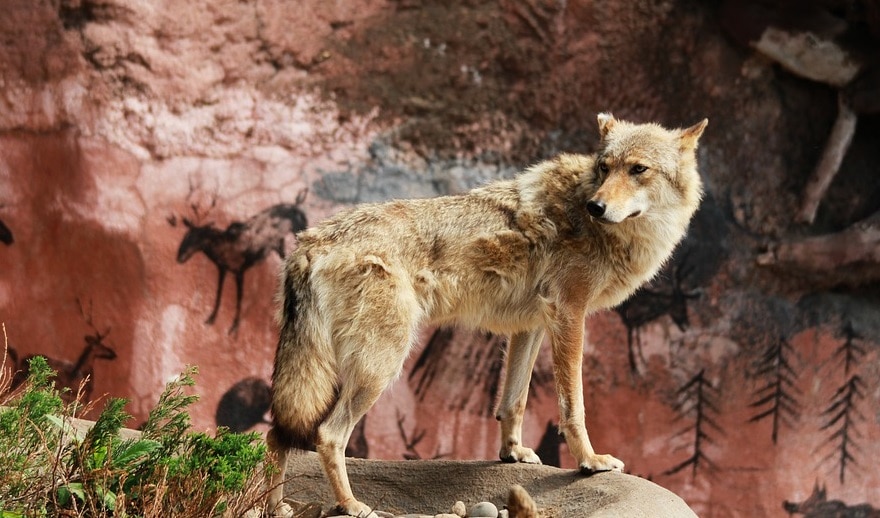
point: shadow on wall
(244, 405)
(247, 403)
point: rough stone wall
(123, 123)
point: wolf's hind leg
(279, 451)
(371, 346)
(522, 351)
(364, 380)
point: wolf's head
(644, 170)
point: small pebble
(483, 510)
(503, 513)
(459, 509)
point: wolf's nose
(596, 208)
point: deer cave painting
(548, 447)
(73, 378)
(241, 245)
(412, 439)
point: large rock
(433, 486)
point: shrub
(49, 468)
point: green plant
(28, 444)
(49, 467)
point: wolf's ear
(606, 122)
(690, 136)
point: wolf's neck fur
(638, 247)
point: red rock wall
(122, 122)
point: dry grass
(6, 369)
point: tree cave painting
(697, 400)
(777, 397)
(842, 414)
(241, 245)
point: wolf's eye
(603, 167)
(637, 169)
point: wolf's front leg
(567, 341)
(522, 351)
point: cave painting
(241, 245)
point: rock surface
(432, 486)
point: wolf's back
(304, 381)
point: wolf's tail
(304, 381)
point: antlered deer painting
(242, 245)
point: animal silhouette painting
(648, 305)
(817, 505)
(76, 376)
(5, 234)
(244, 405)
(242, 245)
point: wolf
(524, 257)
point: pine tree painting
(776, 399)
(842, 415)
(697, 401)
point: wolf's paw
(356, 509)
(519, 453)
(601, 463)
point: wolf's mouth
(635, 214)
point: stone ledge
(433, 486)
